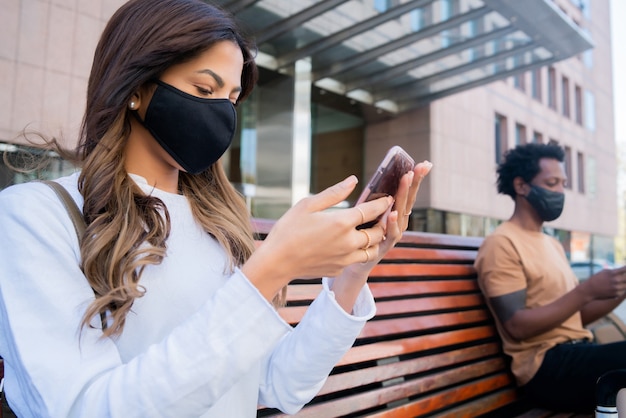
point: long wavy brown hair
(126, 229)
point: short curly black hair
(523, 161)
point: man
(539, 305)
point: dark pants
(567, 377)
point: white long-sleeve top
(201, 343)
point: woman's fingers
(420, 171)
(369, 211)
(369, 237)
(331, 196)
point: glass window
(447, 11)
(520, 134)
(585, 6)
(579, 246)
(464, 225)
(590, 111)
(537, 137)
(581, 172)
(40, 164)
(382, 5)
(578, 98)
(536, 83)
(552, 88)
(259, 161)
(435, 221)
(498, 45)
(336, 147)
(603, 248)
(417, 19)
(501, 140)
(565, 96)
(519, 81)
(491, 224)
(568, 167)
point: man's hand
(607, 284)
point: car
(584, 269)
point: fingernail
(351, 180)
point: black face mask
(547, 203)
(194, 131)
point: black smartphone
(386, 180)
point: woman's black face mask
(194, 131)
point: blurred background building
(457, 82)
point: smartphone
(386, 180)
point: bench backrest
(432, 346)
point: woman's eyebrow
(219, 80)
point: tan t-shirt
(513, 259)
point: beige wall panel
(411, 131)
(45, 59)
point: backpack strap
(77, 219)
(70, 206)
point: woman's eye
(203, 91)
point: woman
(163, 308)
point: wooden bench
(432, 350)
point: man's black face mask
(548, 204)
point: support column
(301, 135)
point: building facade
(457, 82)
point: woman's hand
(348, 285)
(311, 241)
(398, 219)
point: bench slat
(421, 270)
(428, 304)
(387, 327)
(483, 405)
(388, 371)
(425, 239)
(457, 395)
(430, 254)
(303, 292)
(428, 403)
(293, 314)
(385, 349)
(391, 289)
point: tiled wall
(46, 50)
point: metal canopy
(408, 52)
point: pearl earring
(132, 105)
